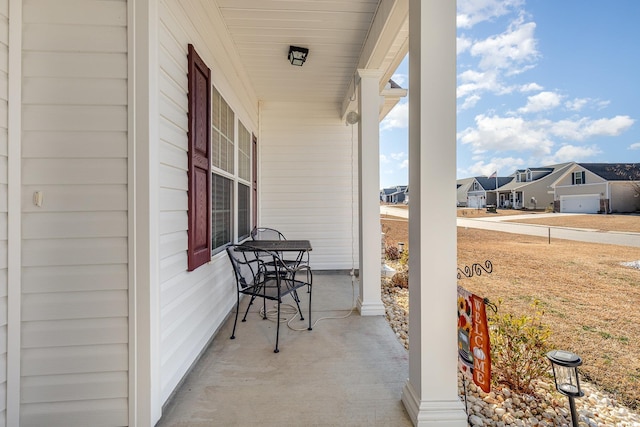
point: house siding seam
(193, 305)
(306, 188)
(4, 59)
(74, 347)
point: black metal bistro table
(276, 245)
(279, 271)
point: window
(221, 211)
(222, 159)
(216, 188)
(222, 146)
(577, 178)
(244, 211)
(244, 174)
(244, 153)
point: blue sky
(539, 82)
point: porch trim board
(433, 413)
(145, 406)
(14, 216)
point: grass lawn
(590, 300)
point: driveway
(499, 224)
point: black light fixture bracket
(298, 55)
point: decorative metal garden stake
(565, 373)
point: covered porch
(349, 370)
(141, 137)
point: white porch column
(369, 300)
(145, 405)
(431, 393)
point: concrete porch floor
(346, 372)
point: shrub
(392, 253)
(401, 279)
(518, 348)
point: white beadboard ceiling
(334, 31)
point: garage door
(475, 202)
(586, 203)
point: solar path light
(565, 373)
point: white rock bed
(632, 264)
(501, 408)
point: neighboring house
(395, 194)
(138, 138)
(531, 188)
(462, 191)
(598, 187)
(482, 191)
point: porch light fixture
(298, 55)
(565, 374)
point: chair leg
(309, 328)
(297, 300)
(277, 329)
(244, 318)
(235, 322)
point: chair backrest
(246, 266)
(264, 233)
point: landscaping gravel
(503, 408)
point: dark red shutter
(199, 251)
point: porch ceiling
(334, 31)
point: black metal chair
(265, 233)
(255, 279)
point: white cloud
(576, 104)
(585, 128)
(609, 127)
(541, 102)
(509, 51)
(470, 102)
(472, 81)
(398, 156)
(462, 44)
(506, 134)
(471, 12)
(384, 159)
(530, 87)
(568, 153)
(398, 118)
(635, 146)
(496, 133)
(404, 164)
(503, 165)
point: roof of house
(614, 171)
(553, 171)
(490, 183)
(394, 190)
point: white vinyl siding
(4, 59)
(308, 179)
(75, 328)
(194, 304)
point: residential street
(500, 224)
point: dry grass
(590, 300)
(594, 222)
